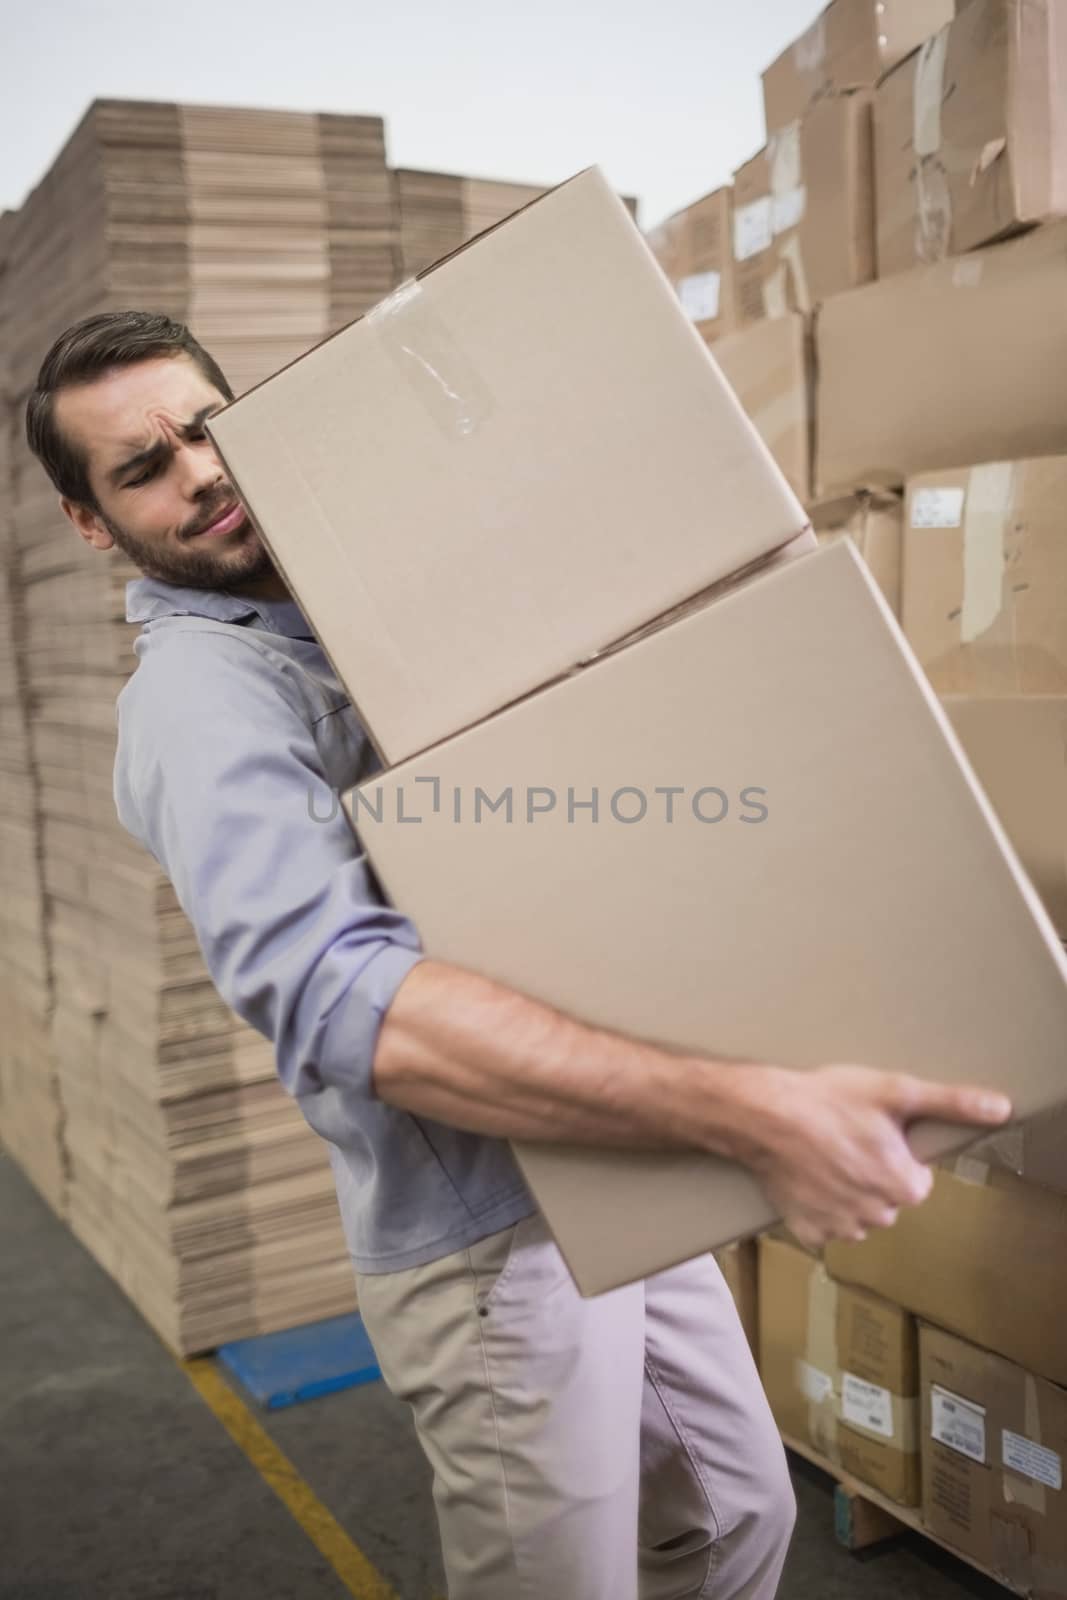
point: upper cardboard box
(514, 461)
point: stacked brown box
(841, 1370)
(984, 609)
(804, 211)
(959, 362)
(994, 1440)
(849, 46)
(983, 1257)
(985, 585)
(695, 249)
(971, 133)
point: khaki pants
(618, 1448)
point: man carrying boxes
(589, 1446)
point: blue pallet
(281, 1369)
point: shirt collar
(148, 599)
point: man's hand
(835, 1158)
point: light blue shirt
(234, 739)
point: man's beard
(192, 567)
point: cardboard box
(875, 524)
(983, 1257)
(848, 46)
(768, 366)
(739, 1265)
(971, 133)
(841, 1370)
(503, 468)
(963, 361)
(600, 845)
(994, 1440)
(695, 249)
(985, 577)
(1017, 746)
(804, 211)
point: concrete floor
(117, 1482)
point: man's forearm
(466, 1051)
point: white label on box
(1032, 1460)
(817, 1386)
(699, 295)
(937, 508)
(866, 1405)
(958, 1423)
(752, 229)
(787, 209)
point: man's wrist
(732, 1108)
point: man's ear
(88, 523)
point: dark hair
(86, 351)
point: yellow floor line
(275, 1468)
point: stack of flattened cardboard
(747, 683)
(29, 1096)
(439, 211)
(289, 230)
(191, 1175)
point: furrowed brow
(155, 452)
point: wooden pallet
(863, 1517)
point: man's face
(162, 495)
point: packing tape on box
(819, 1368)
(788, 194)
(1010, 1147)
(431, 362)
(809, 51)
(987, 510)
(968, 1169)
(1019, 1486)
(790, 270)
(933, 216)
(894, 1417)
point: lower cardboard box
(984, 1257)
(684, 840)
(994, 1441)
(841, 1370)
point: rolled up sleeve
(218, 774)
